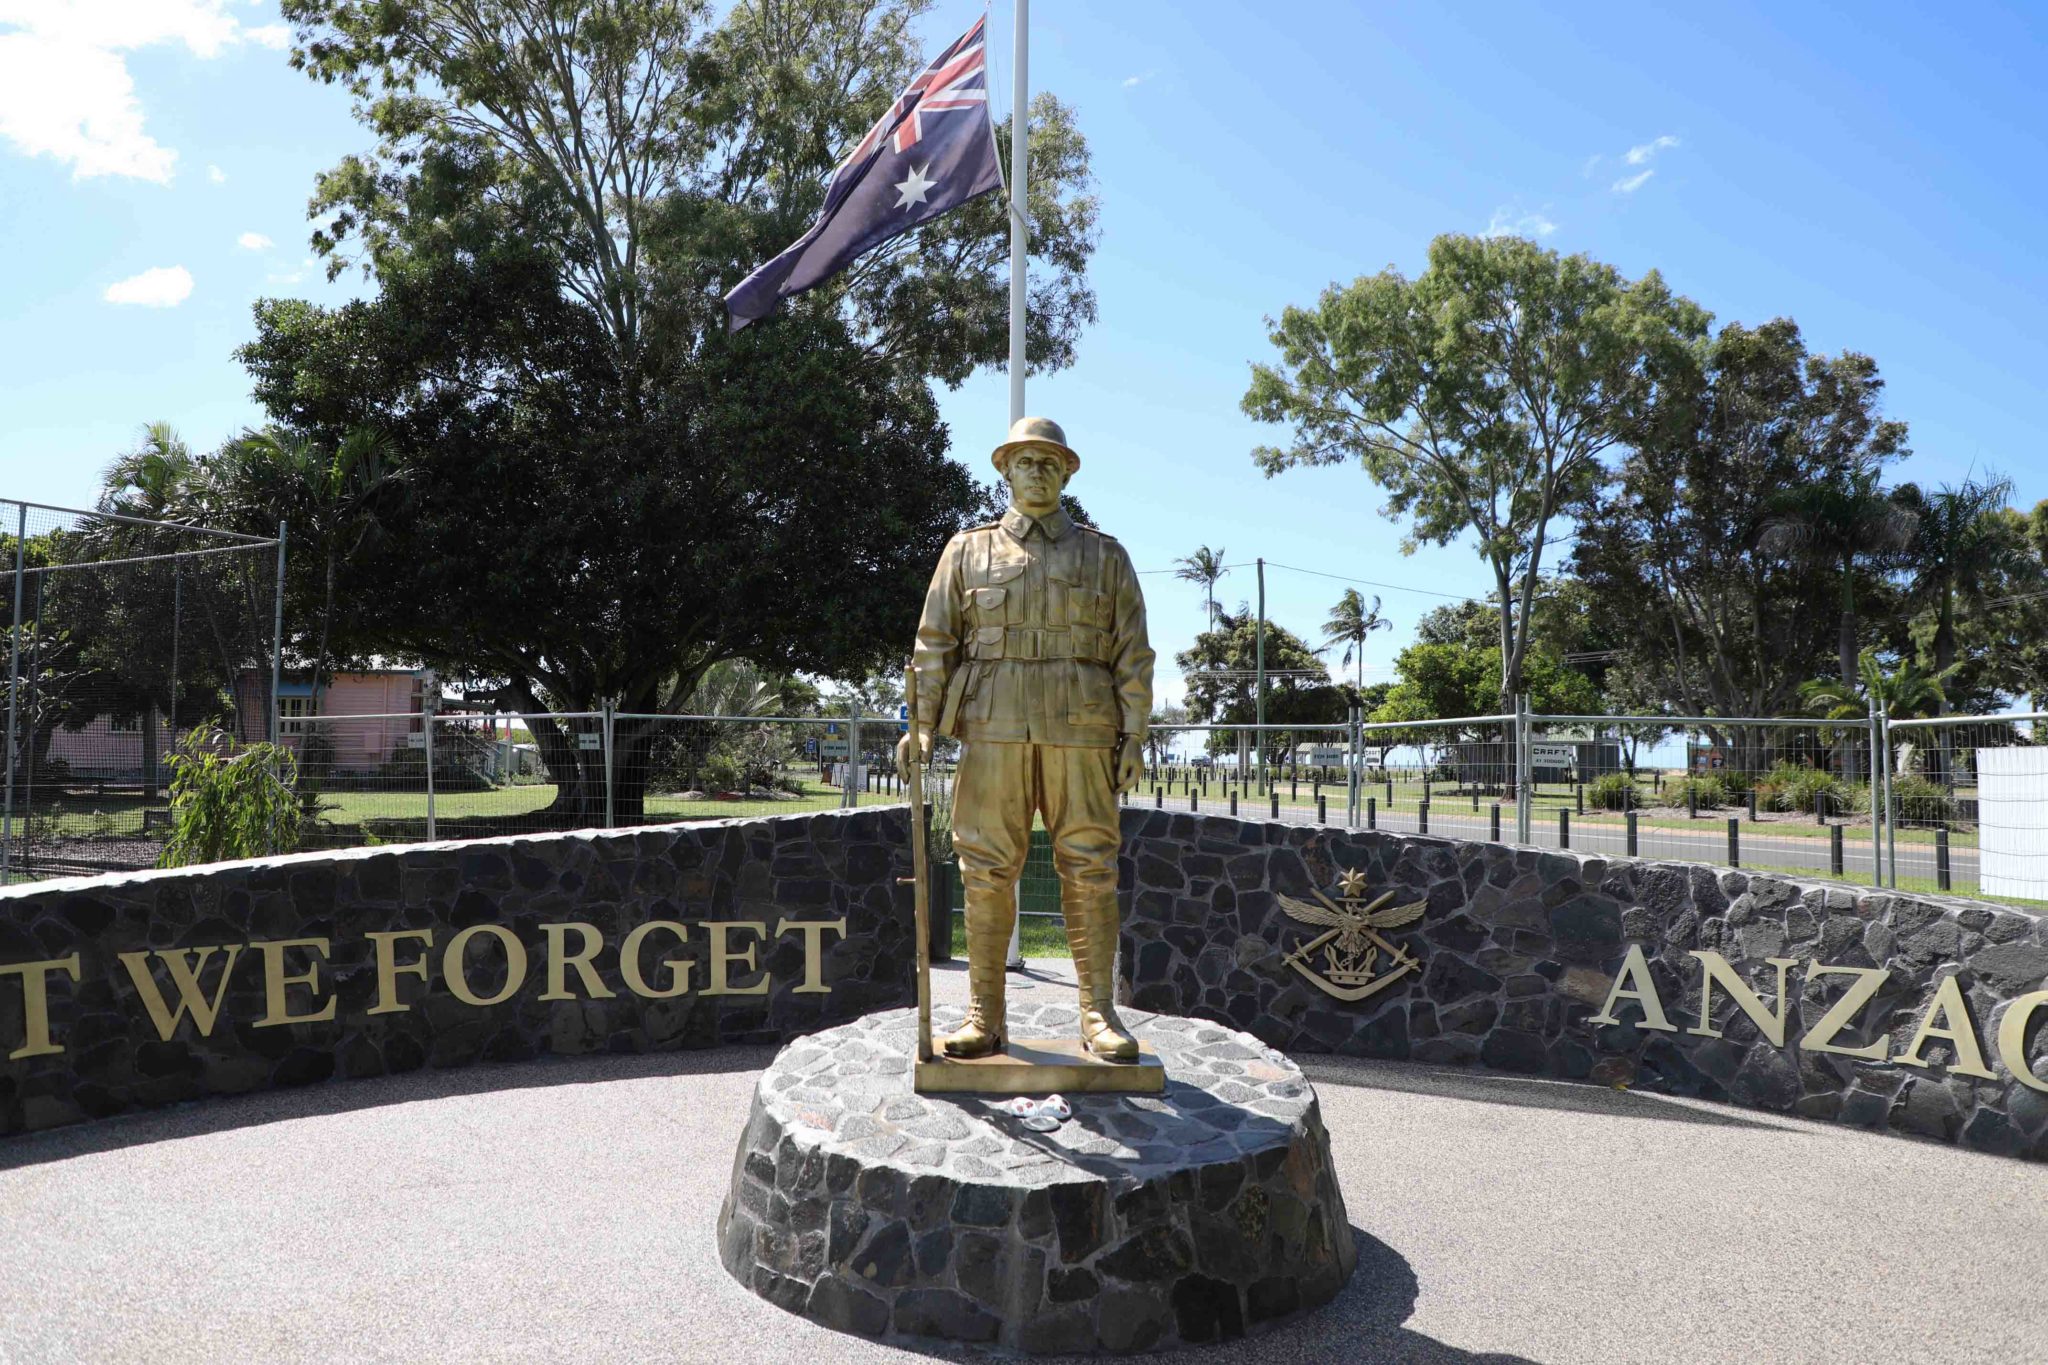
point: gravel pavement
(563, 1210)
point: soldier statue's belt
(1034, 642)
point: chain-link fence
(125, 635)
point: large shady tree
(1481, 395)
(605, 493)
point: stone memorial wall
(149, 988)
(1926, 1015)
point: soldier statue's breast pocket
(989, 602)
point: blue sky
(1873, 171)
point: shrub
(1708, 788)
(1794, 787)
(1920, 801)
(1614, 791)
(230, 801)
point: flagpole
(1020, 250)
(1020, 199)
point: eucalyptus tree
(1482, 395)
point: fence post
(13, 692)
(1735, 841)
(610, 814)
(277, 635)
(850, 789)
(1632, 827)
(427, 725)
(1522, 768)
(1351, 769)
(1879, 815)
(1752, 805)
(1941, 858)
(1891, 814)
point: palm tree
(1351, 621)
(332, 500)
(1959, 542)
(1843, 522)
(1903, 693)
(1204, 566)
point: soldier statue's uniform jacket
(1034, 633)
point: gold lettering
(593, 940)
(458, 978)
(722, 954)
(275, 981)
(678, 967)
(814, 951)
(388, 968)
(1633, 983)
(184, 976)
(1714, 969)
(1960, 1031)
(2012, 1039)
(35, 1004)
(1843, 1013)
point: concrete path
(563, 1210)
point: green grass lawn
(1040, 937)
(354, 808)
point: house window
(292, 713)
(124, 725)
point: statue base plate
(1043, 1066)
(1201, 1212)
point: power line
(1341, 578)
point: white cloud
(216, 175)
(1638, 155)
(162, 287)
(65, 88)
(1630, 184)
(276, 37)
(1140, 79)
(284, 277)
(1507, 222)
(254, 241)
(1592, 165)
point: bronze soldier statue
(1032, 652)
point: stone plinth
(1143, 1221)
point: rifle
(921, 889)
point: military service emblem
(1356, 960)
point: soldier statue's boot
(1091, 936)
(989, 917)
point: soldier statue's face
(1036, 476)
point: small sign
(903, 714)
(417, 740)
(590, 741)
(833, 748)
(832, 727)
(811, 747)
(1553, 755)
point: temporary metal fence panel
(1969, 805)
(1779, 794)
(1297, 774)
(124, 635)
(716, 767)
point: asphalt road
(564, 1210)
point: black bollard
(1564, 829)
(1631, 834)
(1835, 849)
(1322, 810)
(1734, 841)
(1422, 817)
(1233, 803)
(1372, 813)
(1941, 881)
(1276, 805)
(1494, 833)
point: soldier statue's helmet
(1035, 431)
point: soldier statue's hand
(924, 754)
(1130, 766)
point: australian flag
(933, 151)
